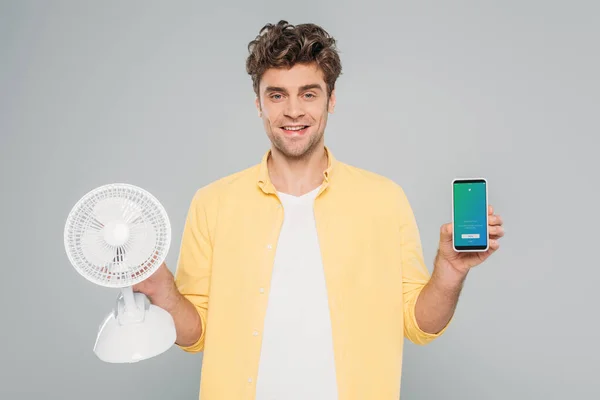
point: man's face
(293, 106)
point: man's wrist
(446, 277)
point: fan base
(135, 341)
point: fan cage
(117, 271)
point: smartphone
(470, 215)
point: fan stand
(134, 330)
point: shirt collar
(264, 180)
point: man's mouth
(295, 129)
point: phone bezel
(472, 249)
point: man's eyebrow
(274, 89)
(270, 89)
(311, 86)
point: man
(300, 276)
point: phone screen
(470, 214)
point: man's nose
(294, 109)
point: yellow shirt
(373, 264)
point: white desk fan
(116, 236)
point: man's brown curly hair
(284, 45)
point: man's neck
(297, 176)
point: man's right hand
(160, 288)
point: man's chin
(295, 146)
(296, 150)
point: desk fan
(116, 236)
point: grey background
(155, 94)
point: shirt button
(262, 290)
(255, 333)
(269, 246)
(249, 380)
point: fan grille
(117, 235)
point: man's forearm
(438, 299)
(186, 317)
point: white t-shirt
(297, 361)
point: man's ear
(257, 103)
(331, 103)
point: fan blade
(108, 210)
(119, 262)
(132, 212)
(142, 245)
(94, 249)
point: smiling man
(299, 277)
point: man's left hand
(461, 262)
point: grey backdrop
(155, 94)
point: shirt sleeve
(414, 273)
(192, 276)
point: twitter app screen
(470, 215)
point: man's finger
(494, 245)
(496, 231)
(495, 220)
(446, 232)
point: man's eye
(276, 96)
(309, 95)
